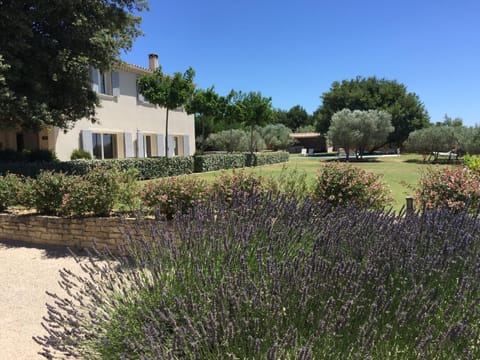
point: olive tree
(359, 130)
(169, 92)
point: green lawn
(399, 172)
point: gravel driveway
(26, 272)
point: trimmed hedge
(215, 162)
(148, 168)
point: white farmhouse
(127, 125)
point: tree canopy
(48, 45)
(407, 111)
(170, 92)
(359, 130)
(207, 106)
(294, 118)
(252, 109)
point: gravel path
(26, 272)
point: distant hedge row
(149, 168)
(213, 162)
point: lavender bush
(270, 277)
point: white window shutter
(87, 141)
(186, 145)
(160, 145)
(140, 145)
(115, 83)
(127, 139)
(171, 146)
(95, 78)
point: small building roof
(305, 135)
(132, 68)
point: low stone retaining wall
(72, 232)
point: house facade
(127, 126)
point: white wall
(126, 114)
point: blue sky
(292, 51)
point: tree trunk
(166, 136)
(202, 148)
(251, 141)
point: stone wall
(72, 232)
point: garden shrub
(148, 168)
(49, 190)
(340, 184)
(80, 154)
(172, 195)
(9, 185)
(472, 162)
(92, 194)
(284, 280)
(455, 188)
(238, 184)
(290, 182)
(212, 162)
(128, 199)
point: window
(104, 146)
(175, 145)
(105, 83)
(148, 146)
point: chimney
(153, 61)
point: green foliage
(49, 191)
(431, 139)
(292, 183)
(170, 92)
(103, 189)
(306, 129)
(9, 186)
(238, 184)
(455, 188)
(267, 158)
(295, 118)
(359, 130)
(148, 168)
(472, 162)
(214, 162)
(340, 184)
(71, 195)
(252, 109)
(78, 154)
(9, 155)
(207, 106)
(272, 278)
(172, 195)
(408, 112)
(276, 136)
(228, 140)
(47, 47)
(468, 139)
(128, 200)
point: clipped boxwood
(148, 168)
(213, 162)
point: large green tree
(408, 112)
(294, 118)
(170, 92)
(207, 106)
(252, 109)
(359, 130)
(48, 45)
